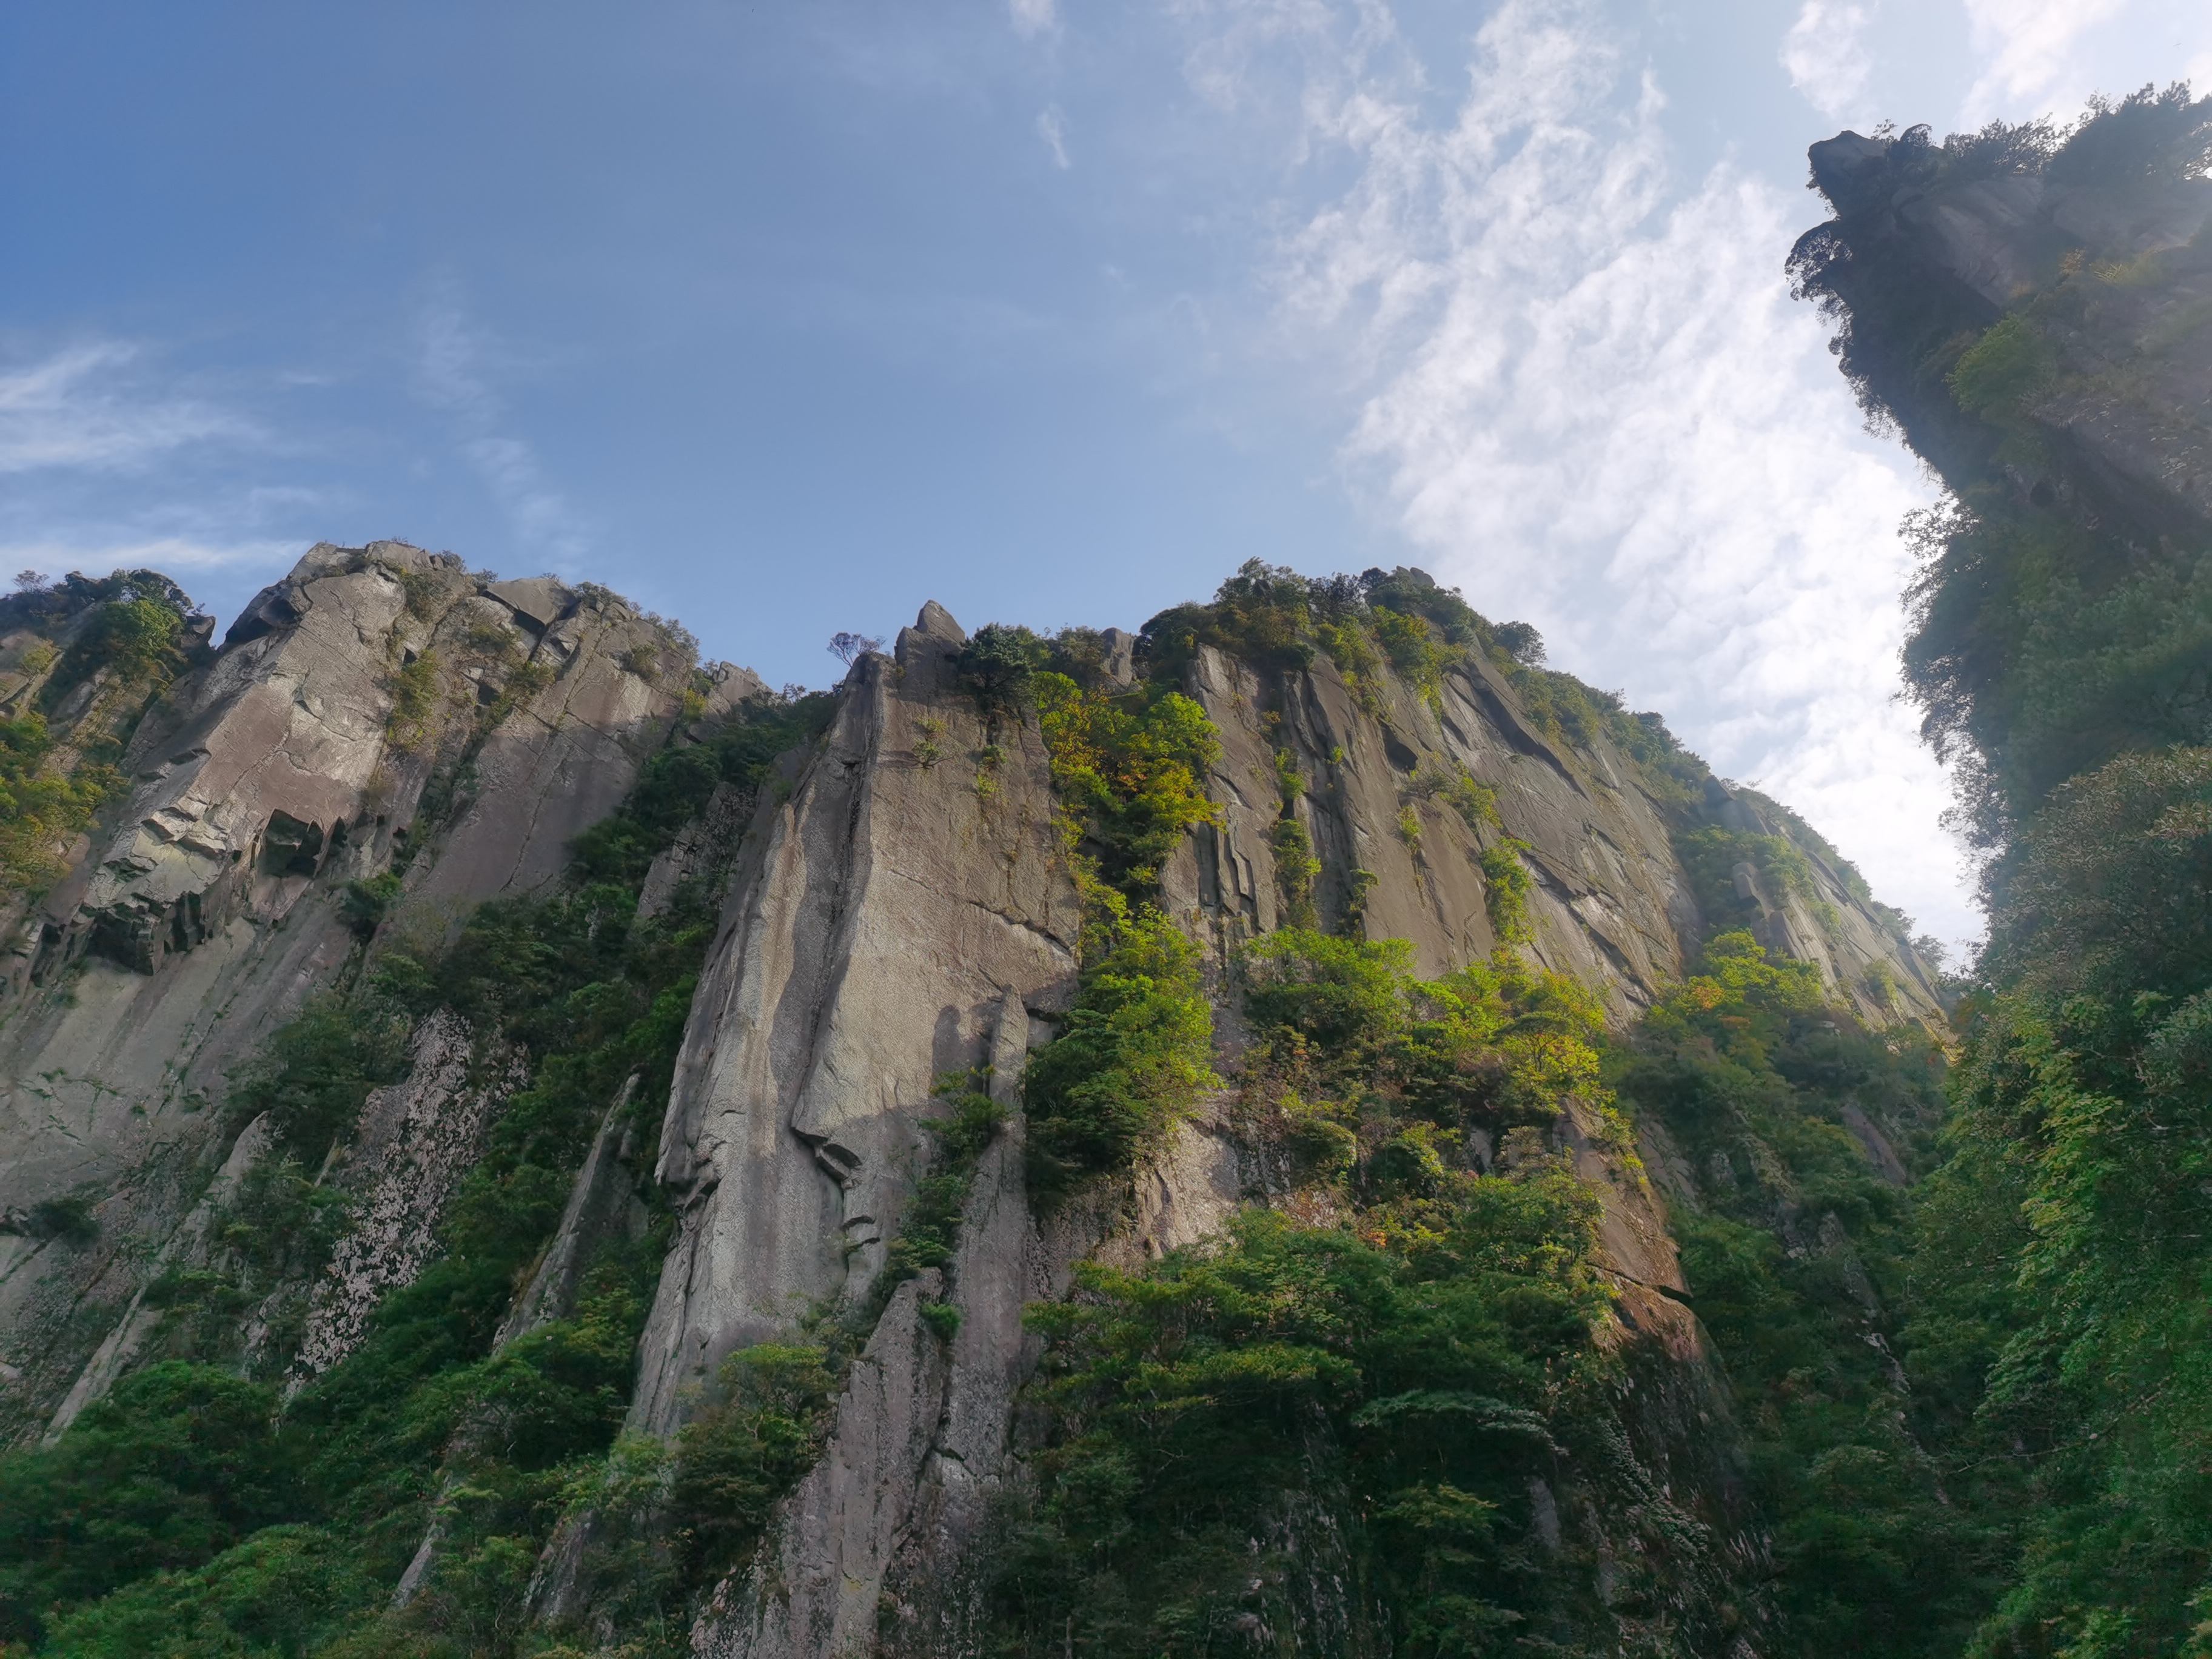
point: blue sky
(782, 319)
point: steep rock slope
(886, 925)
(2101, 253)
(1612, 902)
(355, 707)
(793, 1133)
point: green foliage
(2061, 651)
(2004, 368)
(1476, 803)
(1347, 1030)
(2148, 137)
(743, 1451)
(286, 1591)
(1200, 1410)
(1710, 856)
(1412, 649)
(1131, 1063)
(2109, 892)
(137, 640)
(675, 784)
(1800, 1255)
(416, 693)
(176, 1465)
(365, 902)
(423, 593)
(128, 628)
(2083, 1091)
(1296, 866)
(313, 1075)
(1506, 882)
(1129, 769)
(67, 1220)
(997, 664)
(2034, 656)
(929, 1227)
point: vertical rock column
(878, 921)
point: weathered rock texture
(414, 1142)
(380, 709)
(1610, 905)
(896, 918)
(877, 927)
(1924, 260)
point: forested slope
(2032, 309)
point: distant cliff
(624, 1125)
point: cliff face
(209, 903)
(1929, 247)
(387, 742)
(906, 913)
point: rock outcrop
(1927, 250)
(904, 914)
(386, 741)
(378, 710)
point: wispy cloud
(1031, 18)
(82, 407)
(1052, 127)
(1590, 401)
(172, 554)
(2030, 50)
(452, 373)
(1826, 55)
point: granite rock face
(897, 912)
(897, 917)
(379, 710)
(1609, 903)
(883, 921)
(2119, 275)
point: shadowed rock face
(881, 920)
(204, 909)
(1927, 263)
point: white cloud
(168, 554)
(1591, 402)
(1826, 55)
(2032, 54)
(81, 408)
(1052, 127)
(450, 373)
(1031, 18)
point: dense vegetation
(2057, 1340)
(1336, 1418)
(270, 1527)
(1794, 1131)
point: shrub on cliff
(1130, 1063)
(1130, 770)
